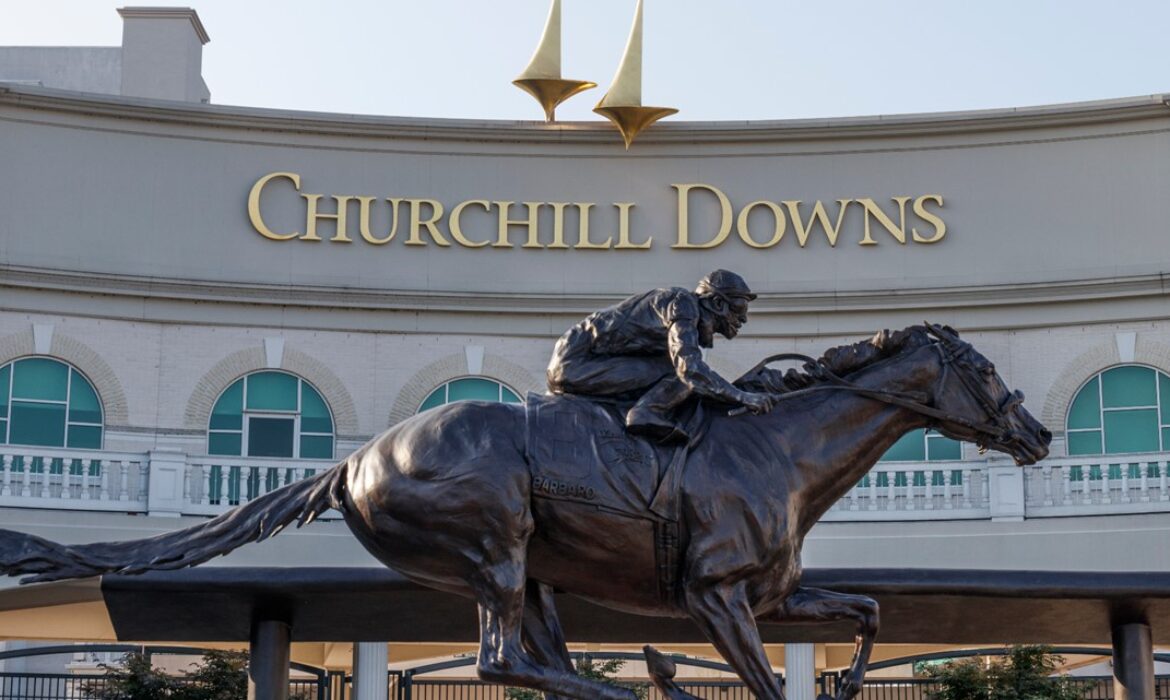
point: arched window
(1122, 409)
(469, 389)
(923, 445)
(271, 414)
(46, 402)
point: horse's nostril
(1046, 436)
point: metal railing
(1089, 687)
(64, 686)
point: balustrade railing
(1098, 485)
(214, 484)
(98, 480)
(917, 491)
(43, 477)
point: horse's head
(978, 405)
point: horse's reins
(995, 427)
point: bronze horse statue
(446, 498)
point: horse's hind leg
(499, 587)
(543, 637)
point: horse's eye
(988, 370)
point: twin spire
(622, 105)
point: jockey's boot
(652, 416)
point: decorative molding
(454, 366)
(242, 362)
(274, 352)
(474, 355)
(787, 303)
(1106, 112)
(42, 338)
(1126, 345)
(62, 347)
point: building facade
(201, 303)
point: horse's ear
(946, 334)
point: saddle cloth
(579, 450)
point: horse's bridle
(953, 353)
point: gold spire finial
(542, 78)
(622, 105)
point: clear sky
(711, 59)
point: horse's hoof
(849, 689)
(658, 664)
(822, 696)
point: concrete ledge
(938, 606)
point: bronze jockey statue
(649, 347)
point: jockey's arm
(687, 357)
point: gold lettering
(431, 224)
(364, 220)
(940, 226)
(457, 227)
(254, 206)
(872, 209)
(684, 217)
(558, 224)
(777, 215)
(312, 215)
(624, 229)
(818, 215)
(583, 242)
(531, 222)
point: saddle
(579, 450)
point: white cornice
(781, 303)
(1155, 107)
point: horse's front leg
(818, 605)
(542, 633)
(725, 617)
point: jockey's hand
(758, 403)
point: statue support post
(1133, 661)
(268, 660)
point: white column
(800, 671)
(370, 679)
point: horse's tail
(256, 520)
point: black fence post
(406, 686)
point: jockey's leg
(653, 414)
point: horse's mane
(841, 361)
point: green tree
(604, 671)
(221, 675)
(1022, 673)
(133, 679)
